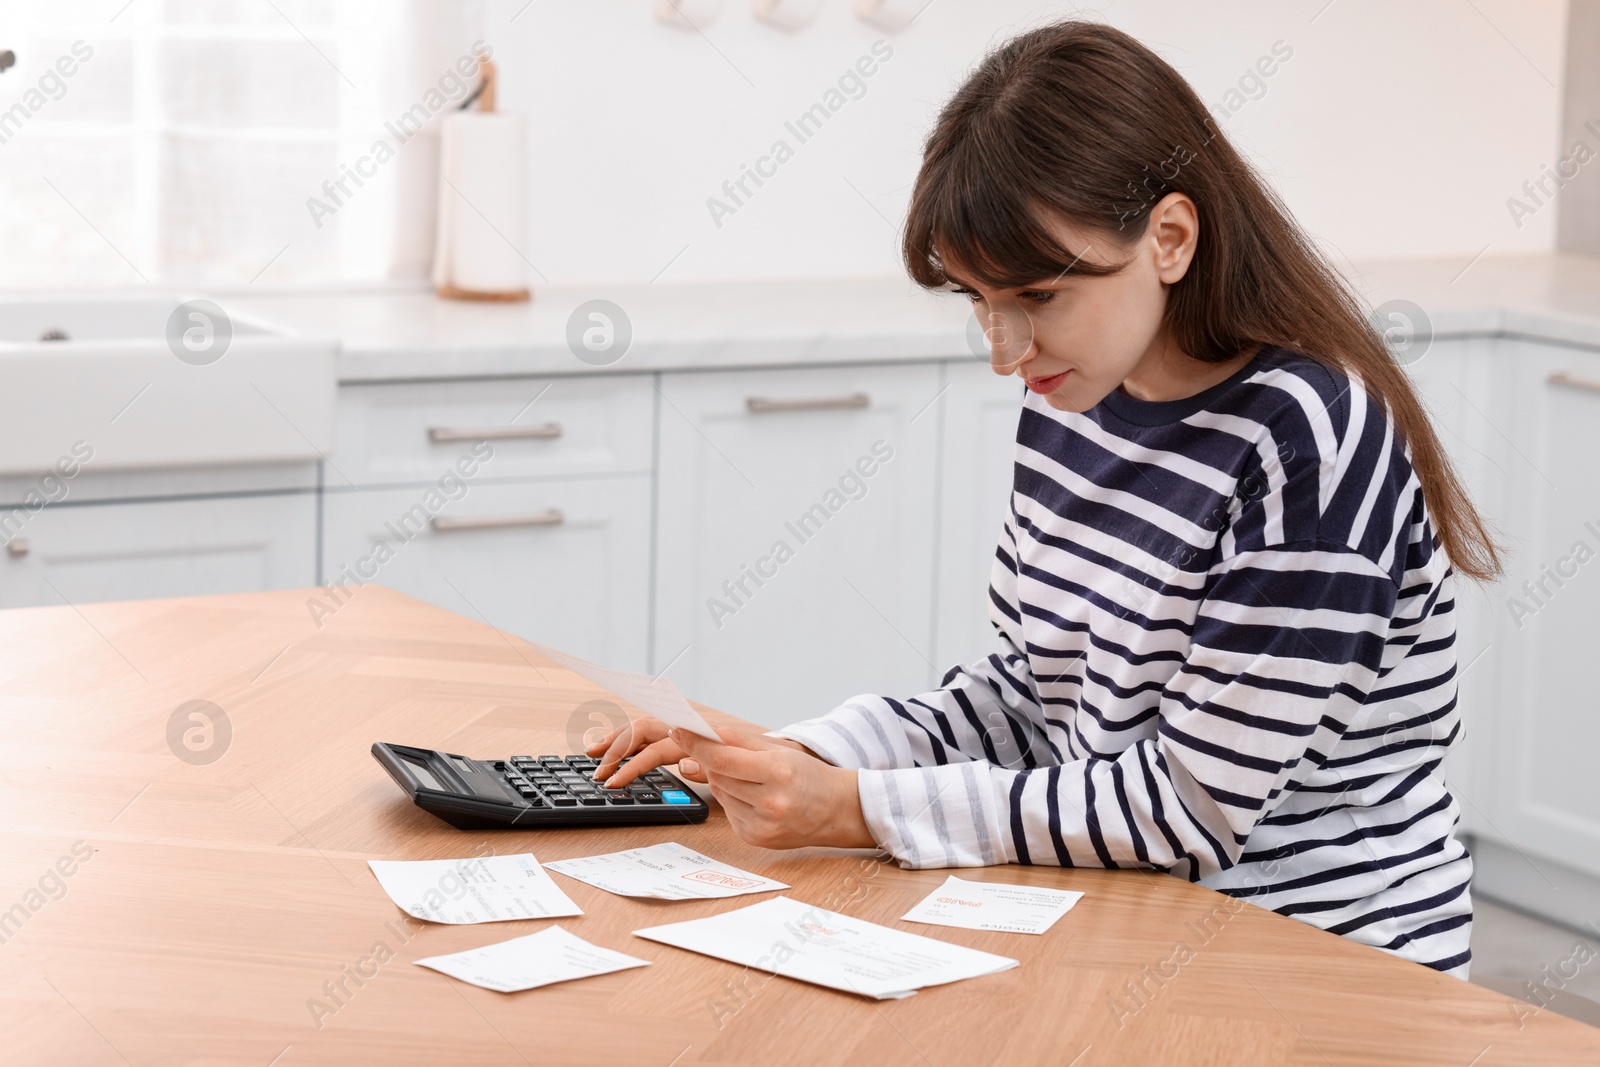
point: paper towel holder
(483, 94)
(484, 97)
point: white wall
(1395, 130)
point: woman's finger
(737, 738)
(615, 749)
(605, 742)
(750, 764)
(646, 759)
(738, 810)
(629, 738)
(750, 793)
(691, 770)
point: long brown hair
(1081, 121)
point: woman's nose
(1008, 330)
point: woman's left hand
(777, 796)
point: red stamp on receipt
(727, 881)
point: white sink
(101, 370)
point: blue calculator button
(676, 796)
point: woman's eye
(1039, 296)
(969, 294)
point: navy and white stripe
(1226, 651)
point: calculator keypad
(567, 782)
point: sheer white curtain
(224, 142)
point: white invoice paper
(480, 890)
(784, 936)
(544, 958)
(653, 696)
(1016, 909)
(668, 871)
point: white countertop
(1554, 297)
(405, 334)
(409, 333)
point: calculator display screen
(426, 777)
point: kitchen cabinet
(1519, 418)
(979, 413)
(524, 503)
(1545, 724)
(562, 562)
(137, 549)
(1455, 383)
(797, 515)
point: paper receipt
(1017, 909)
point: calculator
(529, 792)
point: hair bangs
(980, 222)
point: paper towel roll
(482, 207)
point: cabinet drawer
(135, 551)
(412, 432)
(565, 563)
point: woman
(1223, 592)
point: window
(184, 141)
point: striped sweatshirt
(1226, 650)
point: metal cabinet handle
(444, 524)
(444, 434)
(760, 405)
(1562, 377)
(18, 546)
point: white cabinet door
(979, 414)
(1546, 617)
(797, 518)
(564, 563)
(131, 551)
(1455, 380)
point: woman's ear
(1173, 232)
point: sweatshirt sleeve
(988, 710)
(1287, 643)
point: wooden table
(221, 896)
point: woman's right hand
(646, 740)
